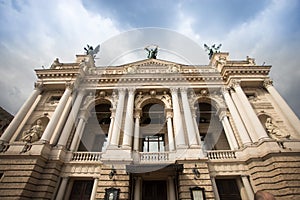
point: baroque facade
(152, 129)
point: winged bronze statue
(89, 50)
(213, 49)
(152, 53)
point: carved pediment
(152, 66)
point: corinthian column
(170, 132)
(57, 114)
(128, 129)
(228, 132)
(71, 119)
(118, 118)
(79, 130)
(188, 118)
(10, 130)
(111, 125)
(256, 124)
(137, 131)
(178, 127)
(236, 118)
(283, 106)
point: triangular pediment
(152, 64)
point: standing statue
(34, 133)
(89, 50)
(273, 130)
(213, 49)
(152, 53)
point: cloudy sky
(34, 33)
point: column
(79, 130)
(111, 125)
(244, 117)
(128, 129)
(10, 130)
(170, 132)
(137, 188)
(236, 118)
(172, 194)
(258, 127)
(188, 118)
(247, 186)
(71, 119)
(61, 122)
(62, 188)
(118, 118)
(283, 106)
(94, 190)
(56, 115)
(215, 188)
(196, 128)
(178, 127)
(228, 132)
(136, 131)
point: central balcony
(153, 157)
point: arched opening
(153, 128)
(95, 135)
(210, 128)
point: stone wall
(278, 174)
(28, 177)
(187, 179)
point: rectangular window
(154, 143)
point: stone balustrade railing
(153, 156)
(86, 156)
(221, 154)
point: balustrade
(86, 156)
(154, 156)
(221, 154)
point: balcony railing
(221, 154)
(86, 156)
(153, 156)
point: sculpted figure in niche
(34, 133)
(273, 130)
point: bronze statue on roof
(152, 52)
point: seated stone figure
(274, 131)
(34, 133)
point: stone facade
(152, 129)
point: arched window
(210, 128)
(95, 134)
(153, 128)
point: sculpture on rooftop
(213, 49)
(89, 50)
(152, 52)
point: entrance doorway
(228, 189)
(154, 190)
(81, 190)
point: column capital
(174, 90)
(184, 90)
(121, 90)
(235, 83)
(225, 90)
(169, 115)
(222, 115)
(267, 83)
(84, 114)
(69, 85)
(137, 113)
(38, 85)
(131, 90)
